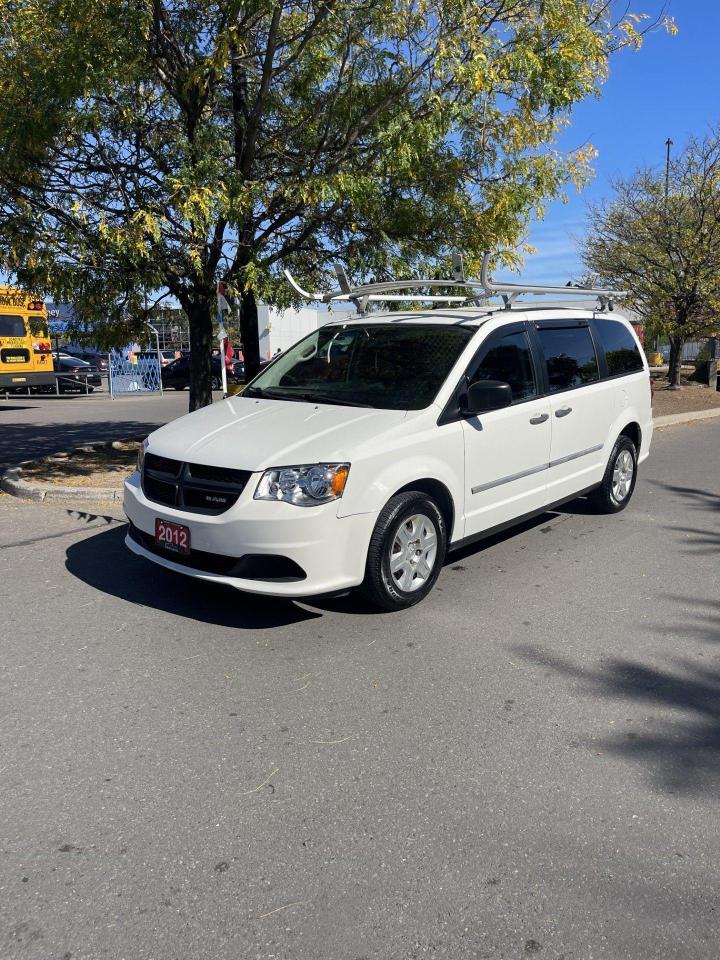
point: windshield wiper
(302, 397)
(335, 401)
(260, 394)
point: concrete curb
(12, 482)
(673, 419)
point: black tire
(381, 586)
(606, 498)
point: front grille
(193, 487)
(220, 474)
(159, 490)
(162, 464)
(269, 567)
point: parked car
(75, 374)
(176, 375)
(238, 369)
(166, 356)
(371, 448)
(93, 357)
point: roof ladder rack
(510, 291)
(390, 291)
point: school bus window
(11, 326)
(38, 327)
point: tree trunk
(199, 311)
(249, 333)
(676, 349)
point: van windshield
(391, 366)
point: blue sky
(670, 88)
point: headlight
(141, 455)
(305, 486)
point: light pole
(668, 144)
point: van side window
(570, 357)
(621, 350)
(509, 359)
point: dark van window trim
(561, 324)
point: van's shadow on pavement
(581, 507)
(680, 741)
(105, 563)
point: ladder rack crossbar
(484, 287)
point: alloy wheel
(622, 478)
(413, 552)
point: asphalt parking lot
(527, 764)
(35, 426)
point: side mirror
(486, 395)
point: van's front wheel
(406, 551)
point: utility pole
(668, 144)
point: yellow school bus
(25, 348)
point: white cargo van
(375, 445)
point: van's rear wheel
(618, 484)
(406, 551)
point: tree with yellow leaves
(163, 145)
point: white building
(280, 329)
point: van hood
(248, 434)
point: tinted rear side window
(570, 356)
(11, 326)
(620, 348)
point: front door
(506, 451)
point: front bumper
(330, 550)
(23, 379)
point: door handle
(540, 418)
(563, 411)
